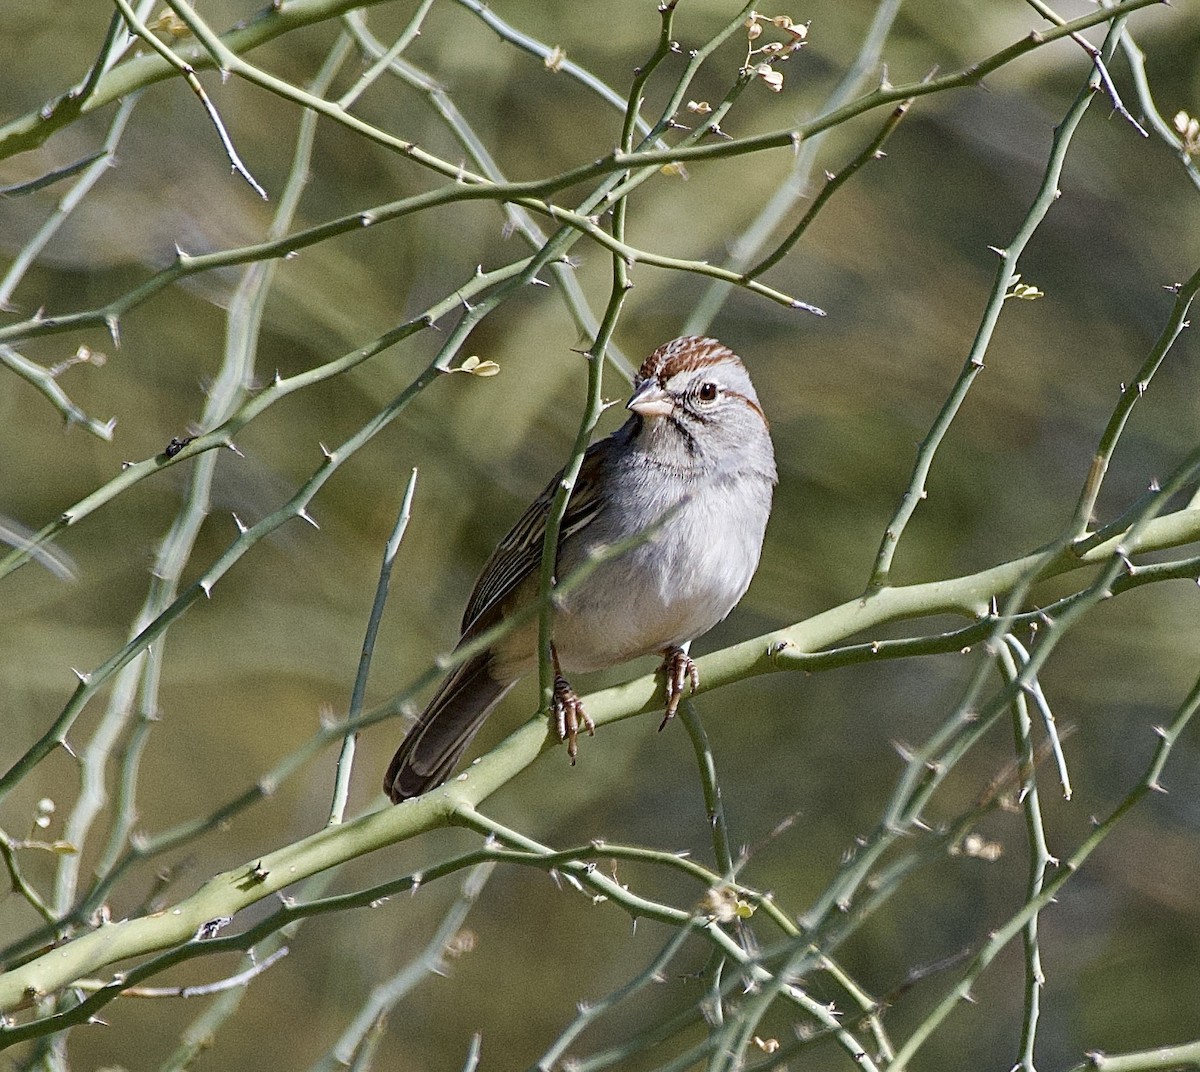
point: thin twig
(796, 184)
(345, 763)
(1040, 860)
(1047, 194)
(1049, 723)
(385, 59)
(20, 884)
(1001, 936)
(430, 961)
(1137, 66)
(1177, 322)
(518, 217)
(833, 182)
(705, 926)
(189, 76)
(51, 177)
(196, 990)
(1050, 15)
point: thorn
(112, 322)
(83, 677)
(815, 310)
(304, 515)
(241, 525)
(230, 445)
(326, 451)
(66, 747)
(206, 588)
(998, 251)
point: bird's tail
(433, 747)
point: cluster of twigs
(62, 973)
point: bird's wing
(519, 554)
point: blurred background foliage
(900, 261)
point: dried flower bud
(1189, 131)
(772, 77)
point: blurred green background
(899, 260)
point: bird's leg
(568, 712)
(679, 670)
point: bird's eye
(707, 392)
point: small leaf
(1025, 292)
(479, 368)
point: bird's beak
(650, 400)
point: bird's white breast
(687, 575)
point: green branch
(233, 891)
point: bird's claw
(679, 670)
(569, 716)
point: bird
(684, 486)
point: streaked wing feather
(519, 554)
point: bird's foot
(679, 670)
(569, 716)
